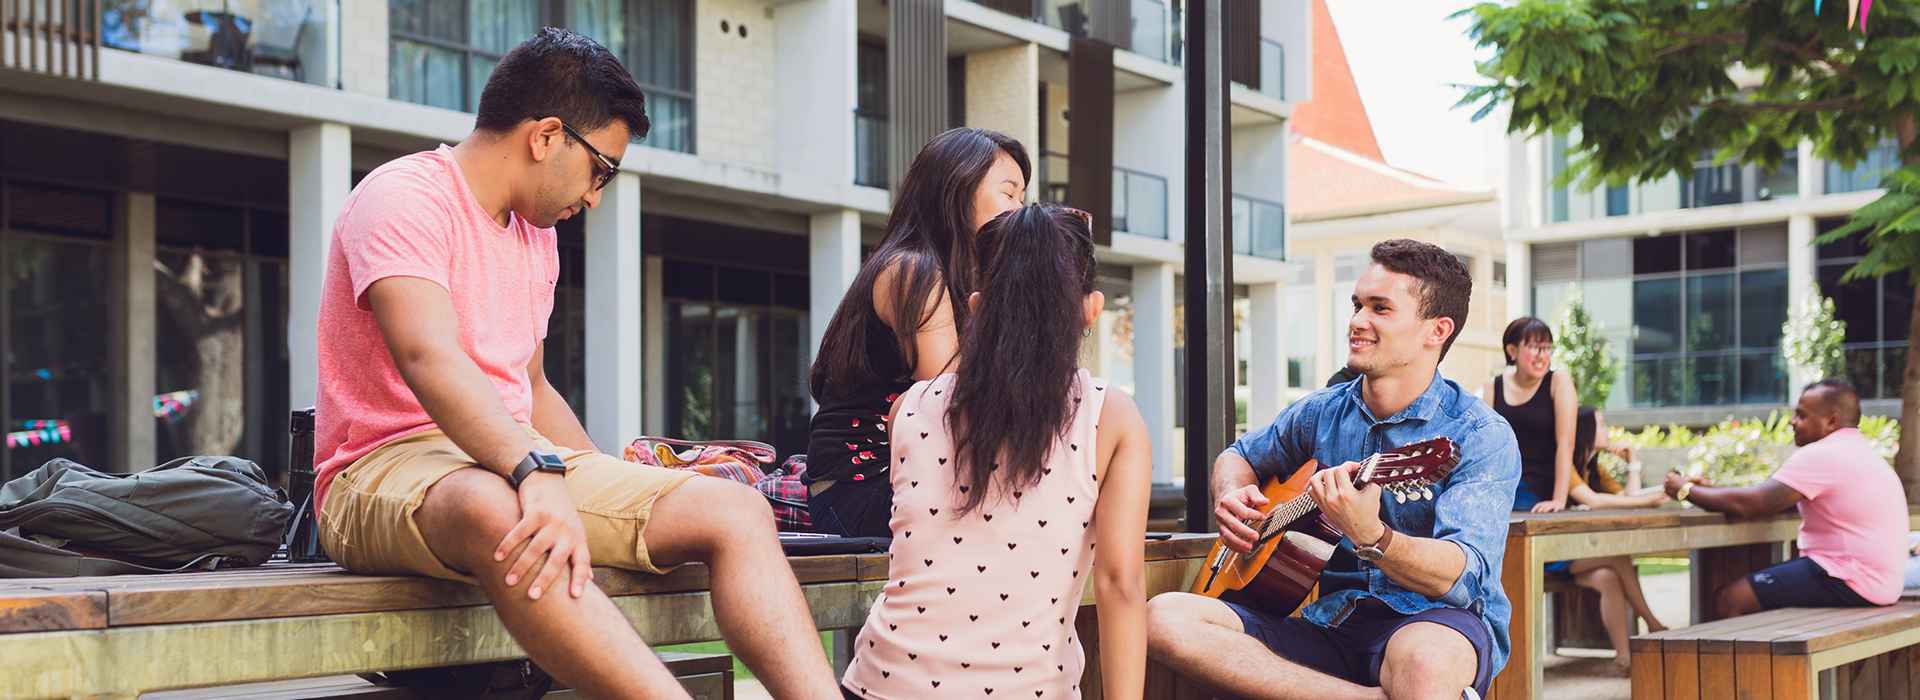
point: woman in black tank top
(1542, 415)
(900, 321)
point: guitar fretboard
(1279, 518)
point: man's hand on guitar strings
(1235, 508)
(1356, 512)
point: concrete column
(655, 321)
(814, 88)
(614, 347)
(1267, 357)
(1519, 281)
(1153, 387)
(1813, 172)
(130, 427)
(1800, 276)
(319, 174)
(833, 259)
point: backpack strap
(19, 553)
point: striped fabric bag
(738, 460)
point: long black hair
(1013, 397)
(928, 244)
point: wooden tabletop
(1522, 524)
(294, 590)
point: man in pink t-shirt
(1853, 537)
(442, 449)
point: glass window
(57, 384)
(1618, 200)
(1709, 313)
(661, 60)
(1877, 314)
(565, 354)
(442, 51)
(1711, 250)
(736, 355)
(1656, 255)
(1656, 316)
(1259, 228)
(1783, 181)
(1500, 272)
(1273, 68)
(1141, 203)
(1866, 174)
(870, 115)
(1763, 307)
(287, 39)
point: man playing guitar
(1410, 603)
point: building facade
(1693, 277)
(169, 194)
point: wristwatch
(1377, 550)
(537, 460)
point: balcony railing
(59, 37)
(1273, 66)
(1139, 203)
(1053, 177)
(869, 148)
(290, 39)
(1259, 228)
(1152, 35)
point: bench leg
(1792, 679)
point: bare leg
(756, 600)
(1630, 585)
(1736, 599)
(1202, 639)
(1428, 661)
(1592, 574)
(584, 641)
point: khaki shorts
(367, 523)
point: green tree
(1652, 85)
(1811, 338)
(1582, 346)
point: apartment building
(170, 183)
(1694, 276)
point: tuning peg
(1399, 496)
(1424, 493)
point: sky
(1405, 56)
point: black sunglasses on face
(605, 162)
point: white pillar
(1519, 282)
(1800, 277)
(833, 259)
(814, 88)
(1813, 172)
(1267, 357)
(614, 347)
(655, 321)
(319, 174)
(1153, 380)
(130, 419)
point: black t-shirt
(848, 440)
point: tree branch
(1838, 103)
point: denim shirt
(1470, 507)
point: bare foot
(1622, 670)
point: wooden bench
(705, 676)
(1780, 654)
(120, 636)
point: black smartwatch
(537, 460)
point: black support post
(1209, 248)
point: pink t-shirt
(415, 217)
(1855, 516)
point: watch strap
(1386, 536)
(528, 465)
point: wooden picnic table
(1725, 548)
(118, 636)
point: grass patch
(1650, 566)
(740, 671)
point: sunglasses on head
(1084, 216)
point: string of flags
(1859, 7)
(170, 407)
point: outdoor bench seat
(1780, 654)
(121, 636)
(705, 676)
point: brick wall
(1003, 93)
(733, 82)
(363, 46)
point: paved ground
(1581, 675)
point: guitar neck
(1287, 513)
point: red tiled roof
(1335, 116)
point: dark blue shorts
(853, 508)
(1352, 650)
(1801, 583)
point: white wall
(1147, 125)
(733, 82)
(815, 88)
(1290, 22)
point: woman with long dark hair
(900, 320)
(1616, 579)
(1007, 472)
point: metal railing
(869, 148)
(56, 37)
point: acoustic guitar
(1296, 539)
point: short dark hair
(559, 73)
(1441, 281)
(1840, 398)
(1523, 330)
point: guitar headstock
(1407, 471)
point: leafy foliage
(1892, 227)
(1739, 453)
(1811, 338)
(1654, 84)
(1583, 348)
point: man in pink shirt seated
(444, 452)
(1853, 537)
